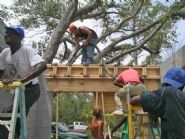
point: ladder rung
(125, 115)
(5, 122)
(136, 108)
(115, 115)
(7, 115)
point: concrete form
(94, 79)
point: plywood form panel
(81, 85)
(98, 71)
(109, 102)
(94, 78)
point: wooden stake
(57, 104)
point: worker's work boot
(118, 112)
(84, 63)
(138, 112)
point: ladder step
(116, 115)
(5, 122)
(125, 115)
(7, 115)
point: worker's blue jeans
(87, 54)
(88, 51)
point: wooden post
(115, 70)
(96, 104)
(130, 126)
(85, 71)
(103, 109)
(57, 103)
(103, 105)
(68, 71)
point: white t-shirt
(18, 64)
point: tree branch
(106, 50)
(87, 9)
(137, 47)
(120, 25)
(59, 32)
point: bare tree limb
(95, 15)
(65, 52)
(74, 56)
(138, 46)
(180, 14)
(109, 48)
(59, 32)
(122, 47)
(120, 25)
(84, 11)
(148, 50)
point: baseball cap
(175, 77)
(17, 29)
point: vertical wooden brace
(57, 116)
(115, 70)
(68, 71)
(96, 104)
(85, 71)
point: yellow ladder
(142, 122)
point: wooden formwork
(95, 79)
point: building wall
(176, 60)
(40, 115)
(2, 32)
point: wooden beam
(81, 85)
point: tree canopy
(128, 27)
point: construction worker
(23, 64)
(89, 39)
(97, 124)
(168, 103)
(128, 80)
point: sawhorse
(19, 102)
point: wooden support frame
(94, 78)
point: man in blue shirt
(168, 103)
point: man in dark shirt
(168, 103)
(89, 39)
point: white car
(79, 126)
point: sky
(6, 2)
(91, 24)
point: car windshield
(62, 128)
